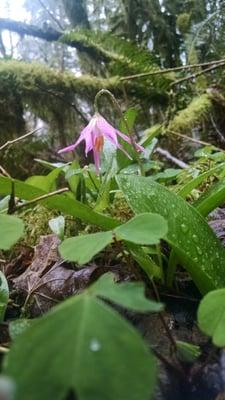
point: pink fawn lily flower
(94, 135)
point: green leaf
(130, 116)
(86, 355)
(130, 295)
(73, 176)
(57, 226)
(4, 203)
(47, 183)
(109, 165)
(211, 198)
(143, 229)
(150, 134)
(18, 326)
(11, 229)
(82, 249)
(151, 269)
(4, 295)
(187, 352)
(211, 316)
(167, 175)
(189, 234)
(62, 203)
(188, 187)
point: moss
(184, 22)
(192, 115)
(48, 93)
(51, 94)
(119, 208)
(36, 224)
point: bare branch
(24, 29)
(50, 35)
(51, 15)
(168, 70)
(18, 139)
(191, 139)
(168, 156)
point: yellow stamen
(99, 142)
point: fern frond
(121, 57)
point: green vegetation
(112, 192)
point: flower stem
(130, 133)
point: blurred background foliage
(56, 56)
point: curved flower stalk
(94, 135)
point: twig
(167, 70)
(61, 98)
(2, 261)
(18, 139)
(4, 349)
(167, 363)
(170, 336)
(43, 197)
(4, 172)
(194, 140)
(169, 157)
(222, 138)
(194, 76)
(51, 15)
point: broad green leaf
(57, 226)
(18, 326)
(143, 229)
(188, 187)
(133, 169)
(62, 203)
(211, 316)
(46, 182)
(129, 295)
(167, 175)
(130, 116)
(211, 199)
(11, 230)
(4, 295)
(82, 249)
(189, 234)
(93, 352)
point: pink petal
(128, 140)
(84, 135)
(87, 136)
(105, 129)
(66, 149)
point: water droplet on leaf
(184, 228)
(95, 345)
(195, 238)
(199, 251)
